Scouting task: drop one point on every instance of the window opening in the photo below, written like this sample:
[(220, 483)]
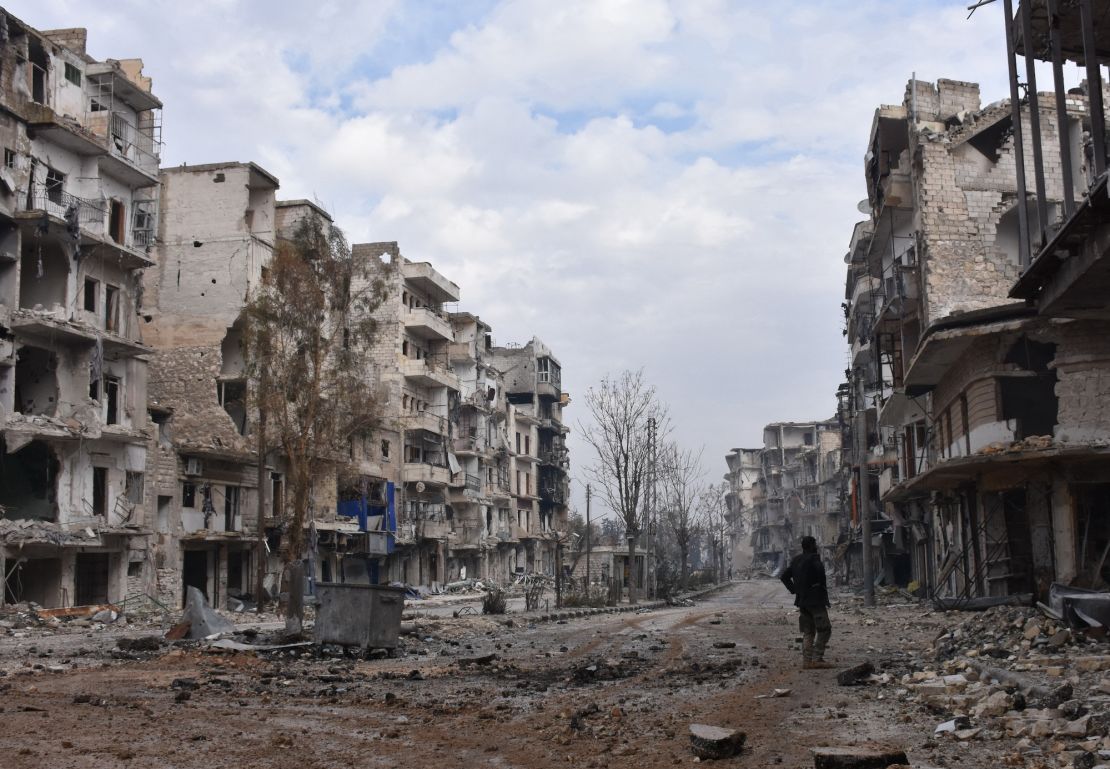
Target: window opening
[(111, 308), (100, 491), (73, 74), (92, 289), (55, 182), (231, 508), (111, 393), (134, 487), (116, 220)]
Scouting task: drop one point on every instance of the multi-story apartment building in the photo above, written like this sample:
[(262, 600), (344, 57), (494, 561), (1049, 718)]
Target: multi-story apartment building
[(78, 187), (741, 479), (796, 491), (412, 359), (537, 452), (982, 406), (215, 238)]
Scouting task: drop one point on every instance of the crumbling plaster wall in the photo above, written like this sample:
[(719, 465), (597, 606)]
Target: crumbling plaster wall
[(963, 197), (1083, 381), (184, 379)]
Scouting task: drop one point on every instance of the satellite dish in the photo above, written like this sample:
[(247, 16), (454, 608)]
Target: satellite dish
[(420, 486), (864, 206)]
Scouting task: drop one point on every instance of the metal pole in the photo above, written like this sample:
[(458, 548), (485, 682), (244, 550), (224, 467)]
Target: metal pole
[(587, 540), (260, 545), (1034, 119), (1024, 255), (1094, 86), (1061, 106), (865, 506)]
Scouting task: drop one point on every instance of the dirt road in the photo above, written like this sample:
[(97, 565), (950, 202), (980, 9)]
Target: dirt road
[(603, 691)]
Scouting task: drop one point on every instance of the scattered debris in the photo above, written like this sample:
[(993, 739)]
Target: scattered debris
[(857, 758), (854, 676)]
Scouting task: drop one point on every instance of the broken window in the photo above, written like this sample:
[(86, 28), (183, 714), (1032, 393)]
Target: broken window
[(92, 290), (27, 481), (189, 494), (55, 182), (134, 487), (96, 106), (162, 420), (1030, 400), (36, 55), (116, 220), (111, 398), (233, 397), (277, 495), (231, 508), (36, 381), (9, 157), (143, 223), (385, 450), (111, 308), (120, 132), (100, 491)]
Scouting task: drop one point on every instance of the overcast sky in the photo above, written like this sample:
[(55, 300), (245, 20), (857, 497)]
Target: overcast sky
[(640, 183)]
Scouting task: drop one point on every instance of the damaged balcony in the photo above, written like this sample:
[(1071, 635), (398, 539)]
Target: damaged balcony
[(430, 371), (426, 421), (428, 323), (50, 213)]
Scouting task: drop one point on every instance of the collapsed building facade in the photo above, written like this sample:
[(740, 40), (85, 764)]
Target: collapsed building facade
[(129, 459), (78, 192), (977, 429), (794, 489)]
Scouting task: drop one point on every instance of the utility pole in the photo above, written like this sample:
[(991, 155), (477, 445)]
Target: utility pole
[(651, 501), (865, 520), (260, 546), (587, 541)]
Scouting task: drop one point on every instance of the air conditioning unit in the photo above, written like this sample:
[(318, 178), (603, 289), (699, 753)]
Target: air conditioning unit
[(193, 466)]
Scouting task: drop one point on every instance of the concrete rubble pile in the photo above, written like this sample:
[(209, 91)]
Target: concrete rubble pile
[(1013, 672)]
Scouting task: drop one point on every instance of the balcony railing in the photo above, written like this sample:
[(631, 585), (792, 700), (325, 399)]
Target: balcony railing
[(57, 202)]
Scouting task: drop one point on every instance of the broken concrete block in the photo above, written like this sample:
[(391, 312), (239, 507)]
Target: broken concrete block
[(855, 675), (715, 742), (995, 705), (857, 758), (202, 618), (956, 724)]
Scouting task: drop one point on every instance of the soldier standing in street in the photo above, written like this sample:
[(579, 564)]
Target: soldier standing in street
[(805, 579)]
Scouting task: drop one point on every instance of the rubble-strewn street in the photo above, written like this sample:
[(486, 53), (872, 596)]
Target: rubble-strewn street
[(614, 689)]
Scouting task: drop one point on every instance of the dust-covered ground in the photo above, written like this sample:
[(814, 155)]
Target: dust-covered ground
[(609, 690)]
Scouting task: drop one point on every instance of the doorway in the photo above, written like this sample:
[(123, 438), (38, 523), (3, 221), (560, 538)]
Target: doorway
[(194, 572), (90, 579)]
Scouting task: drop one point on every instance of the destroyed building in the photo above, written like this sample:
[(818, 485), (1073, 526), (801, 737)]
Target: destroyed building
[(978, 430), (538, 456), (796, 490), (78, 192), (740, 480)]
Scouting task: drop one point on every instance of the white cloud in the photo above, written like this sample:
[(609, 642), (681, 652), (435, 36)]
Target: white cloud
[(639, 182)]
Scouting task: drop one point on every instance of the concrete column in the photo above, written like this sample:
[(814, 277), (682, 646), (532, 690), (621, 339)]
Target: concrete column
[(1063, 531)]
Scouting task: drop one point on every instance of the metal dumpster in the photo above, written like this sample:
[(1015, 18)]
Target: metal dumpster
[(366, 616)]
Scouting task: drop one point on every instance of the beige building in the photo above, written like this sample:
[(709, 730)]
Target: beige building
[(78, 192)]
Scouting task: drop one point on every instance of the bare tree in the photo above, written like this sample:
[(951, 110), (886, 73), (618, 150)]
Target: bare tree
[(680, 475), (309, 329), (620, 409), (714, 512)]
